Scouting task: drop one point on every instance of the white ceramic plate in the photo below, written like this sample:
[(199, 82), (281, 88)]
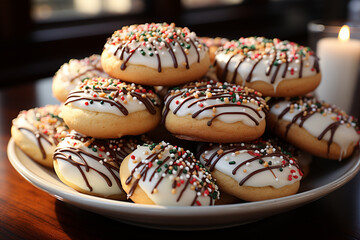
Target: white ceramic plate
[(325, 176)]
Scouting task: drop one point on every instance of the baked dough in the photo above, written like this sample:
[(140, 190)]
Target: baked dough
[(156, 54), (109, 108), (164, 174), (275, 68), (214, 112), (252, 171)]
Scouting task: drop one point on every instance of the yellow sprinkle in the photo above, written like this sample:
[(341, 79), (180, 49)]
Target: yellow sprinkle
[(226, 100), (214, 109), (173, 191), (244, 170), (220, 151), (102, 94), (266, 164), (155, 190)]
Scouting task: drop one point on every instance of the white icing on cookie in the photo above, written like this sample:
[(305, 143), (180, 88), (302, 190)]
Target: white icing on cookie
[(72, 72), (223, 101), (318, 119), (268, 60), (171, 176), (92, 164), (255, 164), (43, 126), (156, 45), (112, 96)]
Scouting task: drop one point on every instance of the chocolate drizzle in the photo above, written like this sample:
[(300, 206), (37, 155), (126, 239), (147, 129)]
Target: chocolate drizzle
[(279, 55), (113, 100), (258, 151), (129, 41), (39, 135), (108, 152), (168, 161), (204, 91), (44, 125), (306, 108)]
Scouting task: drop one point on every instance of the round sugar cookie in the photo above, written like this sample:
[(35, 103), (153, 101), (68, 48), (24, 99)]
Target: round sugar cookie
[(212, 111), (91, 166), (156, 54), (314, 126), (37, 131), (163, 174), (109, 108), (275, 68), (71, 73), (252, 171)]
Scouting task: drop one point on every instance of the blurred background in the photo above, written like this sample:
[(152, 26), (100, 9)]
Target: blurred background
[(38, 36)]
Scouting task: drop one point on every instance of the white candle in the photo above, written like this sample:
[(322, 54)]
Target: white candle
[(339, 62)]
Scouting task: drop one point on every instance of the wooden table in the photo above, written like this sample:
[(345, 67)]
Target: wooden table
[(29, 213)]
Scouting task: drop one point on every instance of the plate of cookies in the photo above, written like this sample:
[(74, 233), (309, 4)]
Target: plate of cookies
[(169, 130)]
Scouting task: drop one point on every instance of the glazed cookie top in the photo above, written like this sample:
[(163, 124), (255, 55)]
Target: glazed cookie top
[(113, 96), (320, 119), (97, 161), (156, 45), (171, 175), (269, 60), (226, 102), (255, 164), (76, 70), (42, 125)]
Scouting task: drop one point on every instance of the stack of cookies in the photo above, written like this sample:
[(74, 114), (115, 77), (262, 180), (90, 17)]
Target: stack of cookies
[(232, 110)]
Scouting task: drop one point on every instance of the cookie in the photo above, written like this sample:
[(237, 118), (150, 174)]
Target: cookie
[(213, 44), (163, 174), (212, 111), (109, 108), (275, 68), (252, 171), (156, 54), (91, 166), (314, 126), (71, 73), (37, 131)]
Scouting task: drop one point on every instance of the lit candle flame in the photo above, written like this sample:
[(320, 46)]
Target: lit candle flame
[(344, 33)]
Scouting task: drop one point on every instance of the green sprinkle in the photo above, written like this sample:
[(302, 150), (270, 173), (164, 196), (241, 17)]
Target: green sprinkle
[(232, 162)]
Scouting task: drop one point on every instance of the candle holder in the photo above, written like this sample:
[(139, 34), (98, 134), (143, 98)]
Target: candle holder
[(339, 63)]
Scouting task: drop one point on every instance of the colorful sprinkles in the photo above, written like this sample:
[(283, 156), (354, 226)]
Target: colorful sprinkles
[(225, 94), (114, 92), (151, 38), (274, 52), (168, 161), (267, 156)]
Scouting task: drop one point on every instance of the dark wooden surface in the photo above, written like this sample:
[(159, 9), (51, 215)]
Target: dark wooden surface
[(29, 213)]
